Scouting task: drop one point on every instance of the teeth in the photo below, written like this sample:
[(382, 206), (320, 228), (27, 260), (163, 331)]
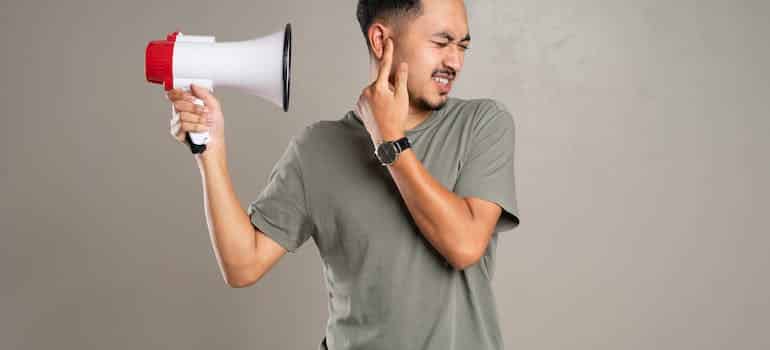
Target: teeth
[(441, 80)]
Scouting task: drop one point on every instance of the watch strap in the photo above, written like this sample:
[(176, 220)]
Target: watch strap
[(402, 144)]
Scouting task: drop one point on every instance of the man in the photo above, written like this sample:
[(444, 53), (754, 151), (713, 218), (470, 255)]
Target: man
[(404, 195)]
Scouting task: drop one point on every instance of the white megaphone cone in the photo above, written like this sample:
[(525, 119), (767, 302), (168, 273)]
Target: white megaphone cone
[(259, 67)]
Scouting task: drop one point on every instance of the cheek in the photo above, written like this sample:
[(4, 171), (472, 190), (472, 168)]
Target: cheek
[(418, 81), (422, 64)]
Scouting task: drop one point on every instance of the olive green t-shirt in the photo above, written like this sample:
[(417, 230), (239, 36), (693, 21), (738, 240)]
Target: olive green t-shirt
[(389, 288)]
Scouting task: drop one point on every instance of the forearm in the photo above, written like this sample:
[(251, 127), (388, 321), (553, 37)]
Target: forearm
[(231, 232), (443, 217)]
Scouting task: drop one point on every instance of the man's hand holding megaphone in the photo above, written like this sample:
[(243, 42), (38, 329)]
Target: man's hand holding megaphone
[(259, 67), (194, 118)]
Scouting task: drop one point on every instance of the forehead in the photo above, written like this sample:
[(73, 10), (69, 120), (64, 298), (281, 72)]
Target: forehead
[(441, 16)]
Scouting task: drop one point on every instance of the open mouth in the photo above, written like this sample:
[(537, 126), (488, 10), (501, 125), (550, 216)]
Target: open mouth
[(444, 84)]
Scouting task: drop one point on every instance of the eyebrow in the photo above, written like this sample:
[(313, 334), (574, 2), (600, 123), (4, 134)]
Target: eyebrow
[(451, 38)]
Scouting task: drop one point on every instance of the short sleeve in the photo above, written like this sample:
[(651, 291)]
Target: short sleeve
[(486, 170), (280, 210)]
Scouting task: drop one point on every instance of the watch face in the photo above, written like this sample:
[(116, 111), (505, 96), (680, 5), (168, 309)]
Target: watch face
[(386, 152)]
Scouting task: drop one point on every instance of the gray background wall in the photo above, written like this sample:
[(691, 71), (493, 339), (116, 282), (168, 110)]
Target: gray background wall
[(641, 171)]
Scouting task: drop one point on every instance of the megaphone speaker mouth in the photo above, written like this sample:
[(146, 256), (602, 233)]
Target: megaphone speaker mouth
[(286, 66)]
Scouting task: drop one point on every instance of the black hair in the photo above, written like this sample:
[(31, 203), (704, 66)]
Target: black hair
[(392, 11)]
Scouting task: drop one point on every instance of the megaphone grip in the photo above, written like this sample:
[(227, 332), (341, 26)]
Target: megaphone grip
[(196, 140), (195, 149), (199, 139)]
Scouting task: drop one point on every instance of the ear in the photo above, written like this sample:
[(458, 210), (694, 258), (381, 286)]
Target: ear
[(376, 34)]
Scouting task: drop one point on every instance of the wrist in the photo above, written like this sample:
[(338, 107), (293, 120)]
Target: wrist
[(211, 158), (390, 136)]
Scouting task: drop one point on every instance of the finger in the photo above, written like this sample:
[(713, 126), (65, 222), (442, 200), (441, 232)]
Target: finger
[(192, 118), (204, 94), (194, 127), (186, 106), (179, 95), (401, 78), (387, 58), (179, 134), (175, 94)]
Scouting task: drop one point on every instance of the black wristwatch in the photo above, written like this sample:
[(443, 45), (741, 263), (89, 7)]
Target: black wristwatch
[(387, 152)]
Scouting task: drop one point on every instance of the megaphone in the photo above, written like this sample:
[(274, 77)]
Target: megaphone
[(260, 67)]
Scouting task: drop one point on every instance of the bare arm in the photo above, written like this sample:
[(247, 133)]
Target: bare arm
[(458, 227), (244, 253)]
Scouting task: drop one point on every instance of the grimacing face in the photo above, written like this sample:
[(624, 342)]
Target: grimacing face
[(433, 45)]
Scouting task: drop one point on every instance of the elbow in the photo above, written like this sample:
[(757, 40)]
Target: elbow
[(243, 279), (241, 275), (464, 264), (468, 253), (235, 283), (464, 259), (240, 279)]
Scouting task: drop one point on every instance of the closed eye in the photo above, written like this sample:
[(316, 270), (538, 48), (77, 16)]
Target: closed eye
[(464, 47)]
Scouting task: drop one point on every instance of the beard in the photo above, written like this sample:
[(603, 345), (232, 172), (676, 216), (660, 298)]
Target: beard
[(424, 104)]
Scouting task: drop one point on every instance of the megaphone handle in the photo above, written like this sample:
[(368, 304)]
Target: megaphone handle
[(194, 148), (196, 140)]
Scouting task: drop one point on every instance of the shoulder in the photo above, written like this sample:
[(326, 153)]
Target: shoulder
[(486, 113), (321, 129), (322, 134)]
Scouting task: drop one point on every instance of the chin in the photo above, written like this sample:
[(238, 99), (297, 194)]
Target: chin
[(432, 104)]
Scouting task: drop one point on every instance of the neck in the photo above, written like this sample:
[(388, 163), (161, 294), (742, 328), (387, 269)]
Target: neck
[(415, 117)]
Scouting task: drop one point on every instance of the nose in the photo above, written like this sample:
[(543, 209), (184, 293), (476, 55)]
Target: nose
[(454, 59)]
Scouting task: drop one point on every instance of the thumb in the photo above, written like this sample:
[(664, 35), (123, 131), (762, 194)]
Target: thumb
[(401, 77), (204, 94)]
